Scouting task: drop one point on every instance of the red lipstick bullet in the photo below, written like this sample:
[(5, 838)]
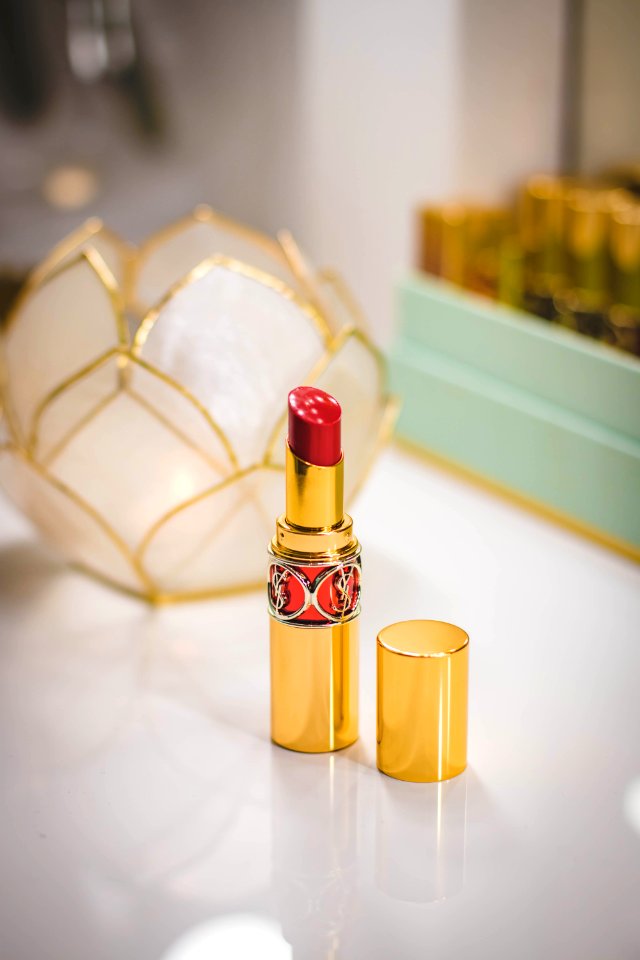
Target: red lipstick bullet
[(314, 426)]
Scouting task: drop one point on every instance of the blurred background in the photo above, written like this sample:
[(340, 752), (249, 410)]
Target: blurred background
[(472, 169), (336, 120)]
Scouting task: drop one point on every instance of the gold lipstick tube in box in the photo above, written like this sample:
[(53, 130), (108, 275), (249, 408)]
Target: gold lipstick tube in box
[(443, 242), (625, 254), (542, 215), (314, 605), (623, 318), (582, 304)]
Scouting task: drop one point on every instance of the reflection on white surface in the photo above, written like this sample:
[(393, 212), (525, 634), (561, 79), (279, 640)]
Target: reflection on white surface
[(421, 838), (141, 797), (314, 803), (241, 936), (631, 804)]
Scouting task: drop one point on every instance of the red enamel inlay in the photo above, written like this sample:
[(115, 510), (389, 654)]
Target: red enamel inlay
[(314, 426), (339, 593), (315, 595)]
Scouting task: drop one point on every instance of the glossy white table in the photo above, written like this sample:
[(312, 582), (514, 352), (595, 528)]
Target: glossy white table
[(146, 815)]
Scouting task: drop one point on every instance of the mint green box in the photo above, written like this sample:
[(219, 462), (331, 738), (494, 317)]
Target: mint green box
[(547, 413)]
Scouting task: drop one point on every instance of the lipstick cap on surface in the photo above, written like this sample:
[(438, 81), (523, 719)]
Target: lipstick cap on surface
[(422, 687)]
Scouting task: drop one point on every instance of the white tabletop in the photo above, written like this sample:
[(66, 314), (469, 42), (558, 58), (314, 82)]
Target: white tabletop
[(146, 815)]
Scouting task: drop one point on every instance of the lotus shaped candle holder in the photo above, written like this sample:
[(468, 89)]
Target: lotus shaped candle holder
[(144, 398)]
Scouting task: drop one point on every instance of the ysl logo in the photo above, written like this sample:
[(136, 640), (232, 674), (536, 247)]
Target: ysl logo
[(314, 595), (345, 586), (280, 595)]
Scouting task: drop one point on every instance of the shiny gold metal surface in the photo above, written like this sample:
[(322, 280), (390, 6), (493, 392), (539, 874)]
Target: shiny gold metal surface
[(488, 227), (314, 494), (623, 323), (625, 254), (454, 251), (459, 242), (587, 235), (511, 276), (542, 215), (422, 684), (443, 241), (314, 686), (430, 239), (296, 543)]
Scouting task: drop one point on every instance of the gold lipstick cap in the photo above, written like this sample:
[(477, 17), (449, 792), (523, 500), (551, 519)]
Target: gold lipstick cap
[(422, 687)]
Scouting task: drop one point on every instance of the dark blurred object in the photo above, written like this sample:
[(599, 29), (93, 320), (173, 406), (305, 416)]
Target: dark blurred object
[(623, 328), (10, 283), (103, 44), (24, 81), (626, 176), (583, 311), (81, 76), (572, 84)]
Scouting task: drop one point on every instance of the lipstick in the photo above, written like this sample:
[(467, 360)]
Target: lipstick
[(314, 587), (314, 426)]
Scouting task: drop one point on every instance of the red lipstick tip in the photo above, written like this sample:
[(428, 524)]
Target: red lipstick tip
[(314, 426)]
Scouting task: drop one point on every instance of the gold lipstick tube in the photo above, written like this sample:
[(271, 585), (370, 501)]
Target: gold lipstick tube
[(314, 605)]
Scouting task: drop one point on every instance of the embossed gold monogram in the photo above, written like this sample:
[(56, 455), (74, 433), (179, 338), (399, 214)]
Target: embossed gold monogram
[(314, 597)]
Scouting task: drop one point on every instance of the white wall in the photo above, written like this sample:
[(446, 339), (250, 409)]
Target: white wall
[(397, 102), (508, 110), (372, 132)]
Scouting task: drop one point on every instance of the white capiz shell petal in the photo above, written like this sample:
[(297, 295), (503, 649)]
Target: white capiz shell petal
[(252, 343), (64, 522), (132, 467), (66, 413), (174, 253), (62, 327), (219, 541)]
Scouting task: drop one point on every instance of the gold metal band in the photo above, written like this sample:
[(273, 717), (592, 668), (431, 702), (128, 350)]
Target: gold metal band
[(318, 546), (315, 494)]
